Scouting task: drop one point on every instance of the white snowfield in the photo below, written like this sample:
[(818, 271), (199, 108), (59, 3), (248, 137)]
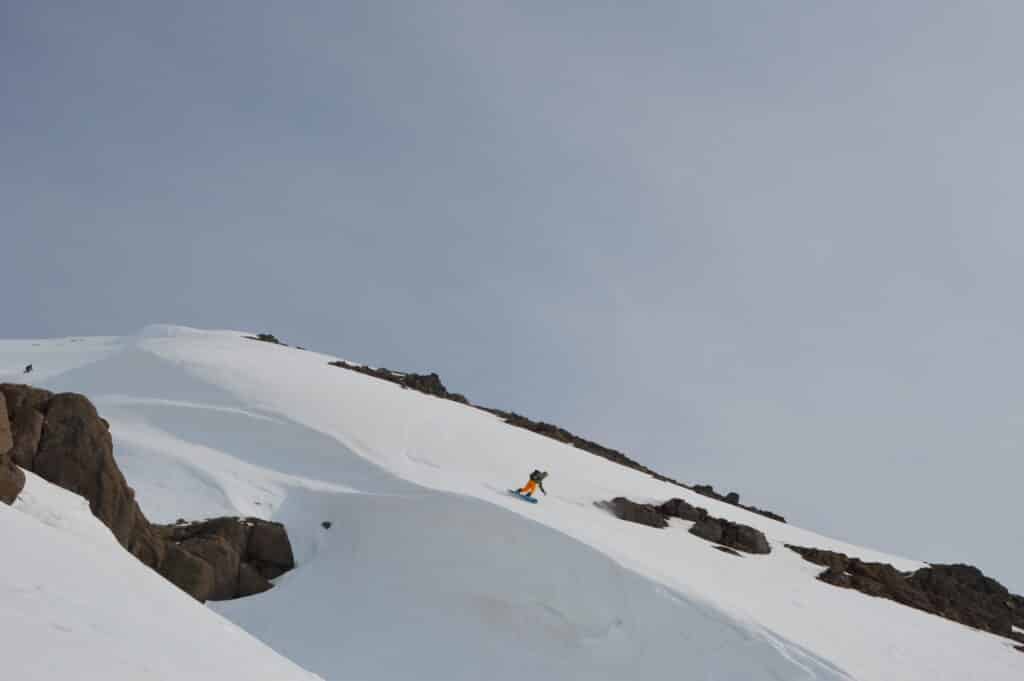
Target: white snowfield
[(430, 570), (75, 605)]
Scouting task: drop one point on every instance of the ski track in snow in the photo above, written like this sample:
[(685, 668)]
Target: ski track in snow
[(431, 571)]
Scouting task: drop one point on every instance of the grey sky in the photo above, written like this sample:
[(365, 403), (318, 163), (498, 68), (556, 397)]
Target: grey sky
[(774, 246)]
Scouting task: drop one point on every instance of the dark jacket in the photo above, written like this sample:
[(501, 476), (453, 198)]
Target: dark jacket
[(538, 477)]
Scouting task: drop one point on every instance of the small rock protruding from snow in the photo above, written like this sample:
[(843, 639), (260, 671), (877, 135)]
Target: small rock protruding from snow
[(716, 530)]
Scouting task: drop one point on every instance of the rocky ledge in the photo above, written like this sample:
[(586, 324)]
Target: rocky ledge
[(961, 593), (225, 558), (429, 384), (721, 532), (62, 439)]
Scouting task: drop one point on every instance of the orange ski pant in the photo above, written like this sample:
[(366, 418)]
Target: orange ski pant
[(528, 488)]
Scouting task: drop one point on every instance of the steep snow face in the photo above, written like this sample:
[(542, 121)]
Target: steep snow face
[(430, 570), (75, 605)]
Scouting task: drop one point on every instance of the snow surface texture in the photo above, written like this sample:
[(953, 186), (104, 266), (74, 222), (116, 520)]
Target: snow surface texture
[(430, 570), (75, 605)]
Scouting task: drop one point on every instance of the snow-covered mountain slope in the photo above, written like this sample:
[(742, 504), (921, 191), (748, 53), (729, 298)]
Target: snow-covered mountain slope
[(429, 570), (75, 605)]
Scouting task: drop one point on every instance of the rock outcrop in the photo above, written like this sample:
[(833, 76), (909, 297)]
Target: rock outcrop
[(62, 439), (266, 338), (244, 554), (961, 593), (734, 535), (723, 533), (12, 479), (733, 498), (429, 384), (76, 452)]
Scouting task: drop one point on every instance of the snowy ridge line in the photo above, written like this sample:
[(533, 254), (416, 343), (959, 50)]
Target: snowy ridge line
[(430, 573), (431, 384)]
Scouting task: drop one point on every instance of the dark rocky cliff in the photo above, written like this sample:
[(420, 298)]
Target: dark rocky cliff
[(62, 439)]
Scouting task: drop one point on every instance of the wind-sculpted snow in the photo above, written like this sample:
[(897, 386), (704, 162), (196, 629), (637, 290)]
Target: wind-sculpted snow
[(429, 570), (437, 586), (75, 605)]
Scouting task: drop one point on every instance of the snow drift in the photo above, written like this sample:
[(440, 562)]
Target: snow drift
[(75, 605)]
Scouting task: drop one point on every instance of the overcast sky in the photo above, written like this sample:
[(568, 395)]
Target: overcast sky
[(773, 246)]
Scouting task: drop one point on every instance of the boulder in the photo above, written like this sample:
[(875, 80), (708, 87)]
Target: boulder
[(733, 535), (633, 512), (245, 553)]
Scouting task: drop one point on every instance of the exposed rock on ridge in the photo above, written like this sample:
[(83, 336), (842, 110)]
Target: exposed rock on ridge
[(734, 499), (431, 384), (961, 593)]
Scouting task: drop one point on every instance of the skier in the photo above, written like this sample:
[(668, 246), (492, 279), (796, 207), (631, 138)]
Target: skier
[(536, 479)]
